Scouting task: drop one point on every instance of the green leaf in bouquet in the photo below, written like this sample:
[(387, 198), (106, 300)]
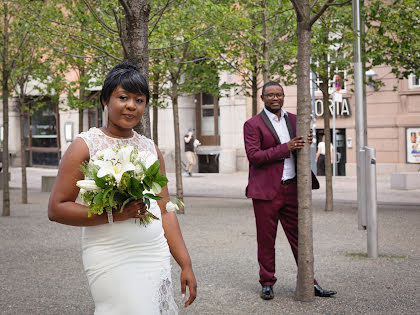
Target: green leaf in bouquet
[(151, 196), (153, 170), (107, 190), (112, 202), (100, 182), (134, 188), (156, 188), (120, 197), (147, 202), (147, 182), (125, 203), (98, 198), (162, 180)]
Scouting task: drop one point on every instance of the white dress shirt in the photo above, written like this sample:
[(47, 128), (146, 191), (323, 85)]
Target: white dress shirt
[(283, 134)]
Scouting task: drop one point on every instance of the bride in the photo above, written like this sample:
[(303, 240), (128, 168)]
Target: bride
[(127, 265)]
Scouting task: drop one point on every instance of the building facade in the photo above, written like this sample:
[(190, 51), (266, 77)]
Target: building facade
[(393, 127)]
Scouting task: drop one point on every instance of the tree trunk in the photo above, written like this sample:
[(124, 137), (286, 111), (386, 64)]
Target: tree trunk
[(80, 120), (5, 97), (305, 278), (178, 168), (22, 147), (327, 132), (81, 98), (254, 87), (155, 102), (265, 44), (135, 38)]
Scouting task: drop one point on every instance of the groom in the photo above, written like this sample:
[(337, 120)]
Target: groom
[(271, 146)]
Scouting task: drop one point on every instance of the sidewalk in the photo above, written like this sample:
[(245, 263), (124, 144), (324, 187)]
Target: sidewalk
[(233, 186), (42, 271)]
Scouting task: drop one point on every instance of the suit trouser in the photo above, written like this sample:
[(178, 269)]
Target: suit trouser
[(283, 207)]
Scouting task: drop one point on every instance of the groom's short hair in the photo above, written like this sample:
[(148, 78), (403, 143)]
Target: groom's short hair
[(270, 83), (127, 75)]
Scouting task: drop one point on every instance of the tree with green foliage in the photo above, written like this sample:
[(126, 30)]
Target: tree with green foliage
[(331, 49), (15, 49), (393, 36), (307, 14), (181, 48), (257, 42)]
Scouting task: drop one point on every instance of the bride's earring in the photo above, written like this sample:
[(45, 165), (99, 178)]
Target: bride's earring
[(105, 117)]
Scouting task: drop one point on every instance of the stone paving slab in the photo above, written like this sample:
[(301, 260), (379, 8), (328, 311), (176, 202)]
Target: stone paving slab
[(233, 186), (41, 269)]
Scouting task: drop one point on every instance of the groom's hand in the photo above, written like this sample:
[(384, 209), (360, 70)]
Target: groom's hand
[(188, 279)]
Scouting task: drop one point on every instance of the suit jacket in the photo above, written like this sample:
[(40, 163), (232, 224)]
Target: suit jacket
[(266, 156)]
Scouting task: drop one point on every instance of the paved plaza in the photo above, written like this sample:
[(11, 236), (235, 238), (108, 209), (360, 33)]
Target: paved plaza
[(41, 269)]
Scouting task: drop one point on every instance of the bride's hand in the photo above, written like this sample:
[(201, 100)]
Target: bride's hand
[(135, 209), (188, 279)]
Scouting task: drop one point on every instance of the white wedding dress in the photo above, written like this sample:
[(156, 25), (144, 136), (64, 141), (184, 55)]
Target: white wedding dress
[(127, 264)]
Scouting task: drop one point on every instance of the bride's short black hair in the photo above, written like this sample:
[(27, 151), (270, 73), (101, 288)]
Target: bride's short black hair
[(127, 75)]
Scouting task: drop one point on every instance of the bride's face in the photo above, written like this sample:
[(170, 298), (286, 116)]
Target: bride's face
[(125, 109)]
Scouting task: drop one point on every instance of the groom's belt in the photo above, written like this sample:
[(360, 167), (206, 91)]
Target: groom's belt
[(289, 181)]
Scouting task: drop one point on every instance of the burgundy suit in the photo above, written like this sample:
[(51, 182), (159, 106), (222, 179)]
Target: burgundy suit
[(272, 200)]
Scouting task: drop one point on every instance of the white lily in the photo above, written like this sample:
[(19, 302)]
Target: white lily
[(147, 158), (87, 185), (115, 163)]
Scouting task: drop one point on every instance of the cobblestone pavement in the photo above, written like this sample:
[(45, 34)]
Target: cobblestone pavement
[(41, 269)]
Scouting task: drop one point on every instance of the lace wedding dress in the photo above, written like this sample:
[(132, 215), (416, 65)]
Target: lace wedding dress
[(127, 264)]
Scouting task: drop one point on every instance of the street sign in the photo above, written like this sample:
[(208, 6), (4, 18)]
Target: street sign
[(337, 83), (337, 98)]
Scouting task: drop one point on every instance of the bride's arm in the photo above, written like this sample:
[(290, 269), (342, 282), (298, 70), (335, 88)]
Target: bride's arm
[(62, 207), (176, 242)]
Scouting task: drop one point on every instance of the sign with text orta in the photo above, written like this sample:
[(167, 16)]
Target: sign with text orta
[(341, 108)]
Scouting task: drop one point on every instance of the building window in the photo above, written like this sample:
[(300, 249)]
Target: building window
[(41, 132), (208, 119), (413, 82)]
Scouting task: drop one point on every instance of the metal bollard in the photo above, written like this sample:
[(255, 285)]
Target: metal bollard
[(371, 206), (361, 191)]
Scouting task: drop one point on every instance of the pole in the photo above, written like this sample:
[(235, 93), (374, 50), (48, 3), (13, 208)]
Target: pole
[(334, 133), (361, 139), (372, 227)]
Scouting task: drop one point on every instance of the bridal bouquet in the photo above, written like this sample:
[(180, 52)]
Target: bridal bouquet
[(114, 177)]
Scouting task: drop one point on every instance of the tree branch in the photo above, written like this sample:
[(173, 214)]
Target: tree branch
[(160, 16), (161, 10), (325, 7), (126, 7), (98, 18), (94, 46), (120, 34), (77, 56), (19, 50), (298, 9), (313, 4), (185, 42)]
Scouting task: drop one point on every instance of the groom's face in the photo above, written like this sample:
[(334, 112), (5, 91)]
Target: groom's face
[(273, 98)]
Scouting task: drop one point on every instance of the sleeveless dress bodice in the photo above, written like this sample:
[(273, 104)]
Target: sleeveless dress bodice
[(127, 264)]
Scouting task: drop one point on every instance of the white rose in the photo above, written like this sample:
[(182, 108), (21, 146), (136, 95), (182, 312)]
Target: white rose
[(170, 207)]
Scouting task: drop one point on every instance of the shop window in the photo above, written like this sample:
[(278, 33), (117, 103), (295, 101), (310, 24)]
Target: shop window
[(41, 132)]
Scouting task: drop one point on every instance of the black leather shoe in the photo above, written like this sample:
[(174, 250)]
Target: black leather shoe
[(267, 292), (323, 293)]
